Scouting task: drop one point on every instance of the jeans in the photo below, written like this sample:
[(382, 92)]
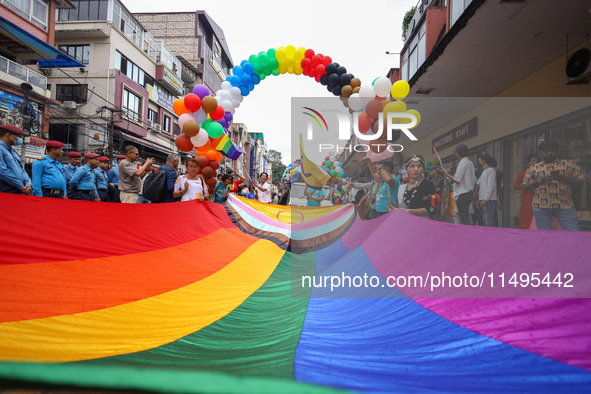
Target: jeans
[(143, 199), (567, 218), (490, 213), (463, 204)]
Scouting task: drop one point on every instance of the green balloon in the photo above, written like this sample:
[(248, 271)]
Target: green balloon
[(253, 59), (275, 72), (263, 59), (374, 81), (215, 130), (263, 76), (268, 70), (258, 69), (429, 164), (332, 172), (271, 53), (339, 175), (206, 124), (274, 63), (328, 163)]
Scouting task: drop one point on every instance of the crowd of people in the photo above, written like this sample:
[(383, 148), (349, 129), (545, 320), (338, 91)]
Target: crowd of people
[(472, 195)]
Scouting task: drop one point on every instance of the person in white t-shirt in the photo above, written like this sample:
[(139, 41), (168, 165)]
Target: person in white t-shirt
[(190, 186), (264, 189)]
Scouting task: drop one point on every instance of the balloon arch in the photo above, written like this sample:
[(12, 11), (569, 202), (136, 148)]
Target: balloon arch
[(203, 117)]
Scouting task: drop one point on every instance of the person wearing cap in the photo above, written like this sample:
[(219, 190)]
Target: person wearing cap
[(13, 177), (464, 181), (48, 173), (70, 169), (113, 179), (102, 183), (84, 180), (551, 182)]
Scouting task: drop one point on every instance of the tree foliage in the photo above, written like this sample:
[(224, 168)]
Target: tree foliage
[(406, 21), (277, 166)]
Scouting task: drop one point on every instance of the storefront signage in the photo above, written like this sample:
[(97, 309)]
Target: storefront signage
[(164, 75), (159, 99), (35, 148), (457, 135)]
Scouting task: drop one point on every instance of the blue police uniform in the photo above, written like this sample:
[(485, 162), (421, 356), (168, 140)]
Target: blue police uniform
[(113, 177), (102, 184), (84, 184), (13, 176), (48, 178), (69, 171)]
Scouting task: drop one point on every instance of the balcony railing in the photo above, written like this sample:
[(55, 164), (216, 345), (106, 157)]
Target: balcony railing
[(24, 73)]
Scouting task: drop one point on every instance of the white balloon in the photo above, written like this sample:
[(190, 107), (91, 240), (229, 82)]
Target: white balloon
[(200, 139), (241, 98), (227, 86), (366, 93), (332, 159), (382, 86), (235, 103), (219, 93), (338, 169), (200, 116), (232, 111), (355, 102), (227, 105), (235, 92), (225, 95)]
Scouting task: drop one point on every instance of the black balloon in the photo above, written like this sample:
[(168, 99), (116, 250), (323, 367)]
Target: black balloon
[(336, 65), (324, 79), (351, 76), (329, 87), (341, 70), (345, 79), (337, 90), (333, 79), (395, 136), (331, 68)]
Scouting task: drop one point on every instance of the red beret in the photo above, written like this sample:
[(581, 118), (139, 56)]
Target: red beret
[(54, 144), (103, 158), (74, 154), (91, 155), (12, 129), (120, 156)]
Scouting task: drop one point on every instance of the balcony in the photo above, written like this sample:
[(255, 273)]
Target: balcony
[(22, 73)]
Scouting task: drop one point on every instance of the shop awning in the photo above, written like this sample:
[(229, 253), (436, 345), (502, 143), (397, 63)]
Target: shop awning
[(49, 56), (146, 143)]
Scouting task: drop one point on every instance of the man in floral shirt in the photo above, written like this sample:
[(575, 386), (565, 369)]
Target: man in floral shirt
[(551, 181)]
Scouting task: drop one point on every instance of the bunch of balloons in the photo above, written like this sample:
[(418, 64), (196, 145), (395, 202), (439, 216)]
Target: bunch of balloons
[(334, 169)]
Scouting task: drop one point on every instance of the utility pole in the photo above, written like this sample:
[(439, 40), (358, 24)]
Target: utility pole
[(26, 88)]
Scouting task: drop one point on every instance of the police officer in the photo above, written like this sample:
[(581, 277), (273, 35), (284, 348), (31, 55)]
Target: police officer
[(114, 181), (102, 184), (13, 177), (70, 169), (84, 181), (48, 173)]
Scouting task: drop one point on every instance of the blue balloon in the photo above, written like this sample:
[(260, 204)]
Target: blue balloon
[(234, 80), (242, 63), (248, 68), (238, 71), (256, 79), (251, 86), (244, 91), (246, 79), (397, 172)]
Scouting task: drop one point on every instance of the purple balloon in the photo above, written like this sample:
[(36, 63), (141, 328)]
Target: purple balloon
[(228, 116), (223, 122), (201, 91)]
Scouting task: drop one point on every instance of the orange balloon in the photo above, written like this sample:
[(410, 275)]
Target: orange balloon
[(218, 156), (209, 104), (199, 153), (179, 107), (356, 89), (212, 154), (384, 103), (191, 128), (355, 83), (346, 91), (183, 142), (204, 148)]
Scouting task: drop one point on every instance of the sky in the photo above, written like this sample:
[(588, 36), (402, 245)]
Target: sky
[(356, 34)]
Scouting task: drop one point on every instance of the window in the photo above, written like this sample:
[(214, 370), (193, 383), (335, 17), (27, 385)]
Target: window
[(153, 115), (132, 105), (35, 11), (86, 10), (78, 52), (166, 124), (76, 93), (127, 24), (128, 68)]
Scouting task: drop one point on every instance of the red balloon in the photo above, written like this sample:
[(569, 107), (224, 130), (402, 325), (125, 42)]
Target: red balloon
[(218, 114), (316, 60), (312, 72), (211, 182), (306, 63), (203, 161), (214, 164), (364, 123), (305, 71), (309, 53), (183, 142), (192, 102), (317, 78), (207, 172), (323, 163), (326, 60), (373, 108), (320, 69)]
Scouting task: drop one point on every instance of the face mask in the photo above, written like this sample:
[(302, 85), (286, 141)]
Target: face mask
[(18, 142)]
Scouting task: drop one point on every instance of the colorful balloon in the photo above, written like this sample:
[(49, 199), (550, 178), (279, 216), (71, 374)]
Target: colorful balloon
[(191, 128), (400, 90), (179, 108), (183, 143), (209, 104), (192, 102), (201, 91)]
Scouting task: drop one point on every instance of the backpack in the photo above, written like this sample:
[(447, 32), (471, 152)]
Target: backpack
[(155, 189)]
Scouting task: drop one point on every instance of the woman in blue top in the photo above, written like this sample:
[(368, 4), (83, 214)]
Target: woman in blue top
[(223, 189), (250, 194), (386, 190), (315, 196)]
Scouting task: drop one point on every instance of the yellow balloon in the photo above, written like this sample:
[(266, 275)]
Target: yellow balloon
[(395, 106), (435, 160), (415, 113), (400, 90), (291, 70), (292, 172), (282, 68), (299, 56), (297, 70), (290, 61), (280, 55), (290, 50)]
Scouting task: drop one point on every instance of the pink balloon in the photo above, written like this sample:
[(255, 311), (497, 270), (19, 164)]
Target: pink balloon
[(183, 118)]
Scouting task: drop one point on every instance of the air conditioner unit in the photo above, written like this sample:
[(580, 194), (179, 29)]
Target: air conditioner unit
[(69, 104), (157, 127), (578, 66), (150, 124)]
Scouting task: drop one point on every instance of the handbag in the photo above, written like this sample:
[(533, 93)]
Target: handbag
[(363, 206)]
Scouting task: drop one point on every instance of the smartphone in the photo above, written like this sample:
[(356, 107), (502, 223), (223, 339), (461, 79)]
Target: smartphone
[(555, 172)]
